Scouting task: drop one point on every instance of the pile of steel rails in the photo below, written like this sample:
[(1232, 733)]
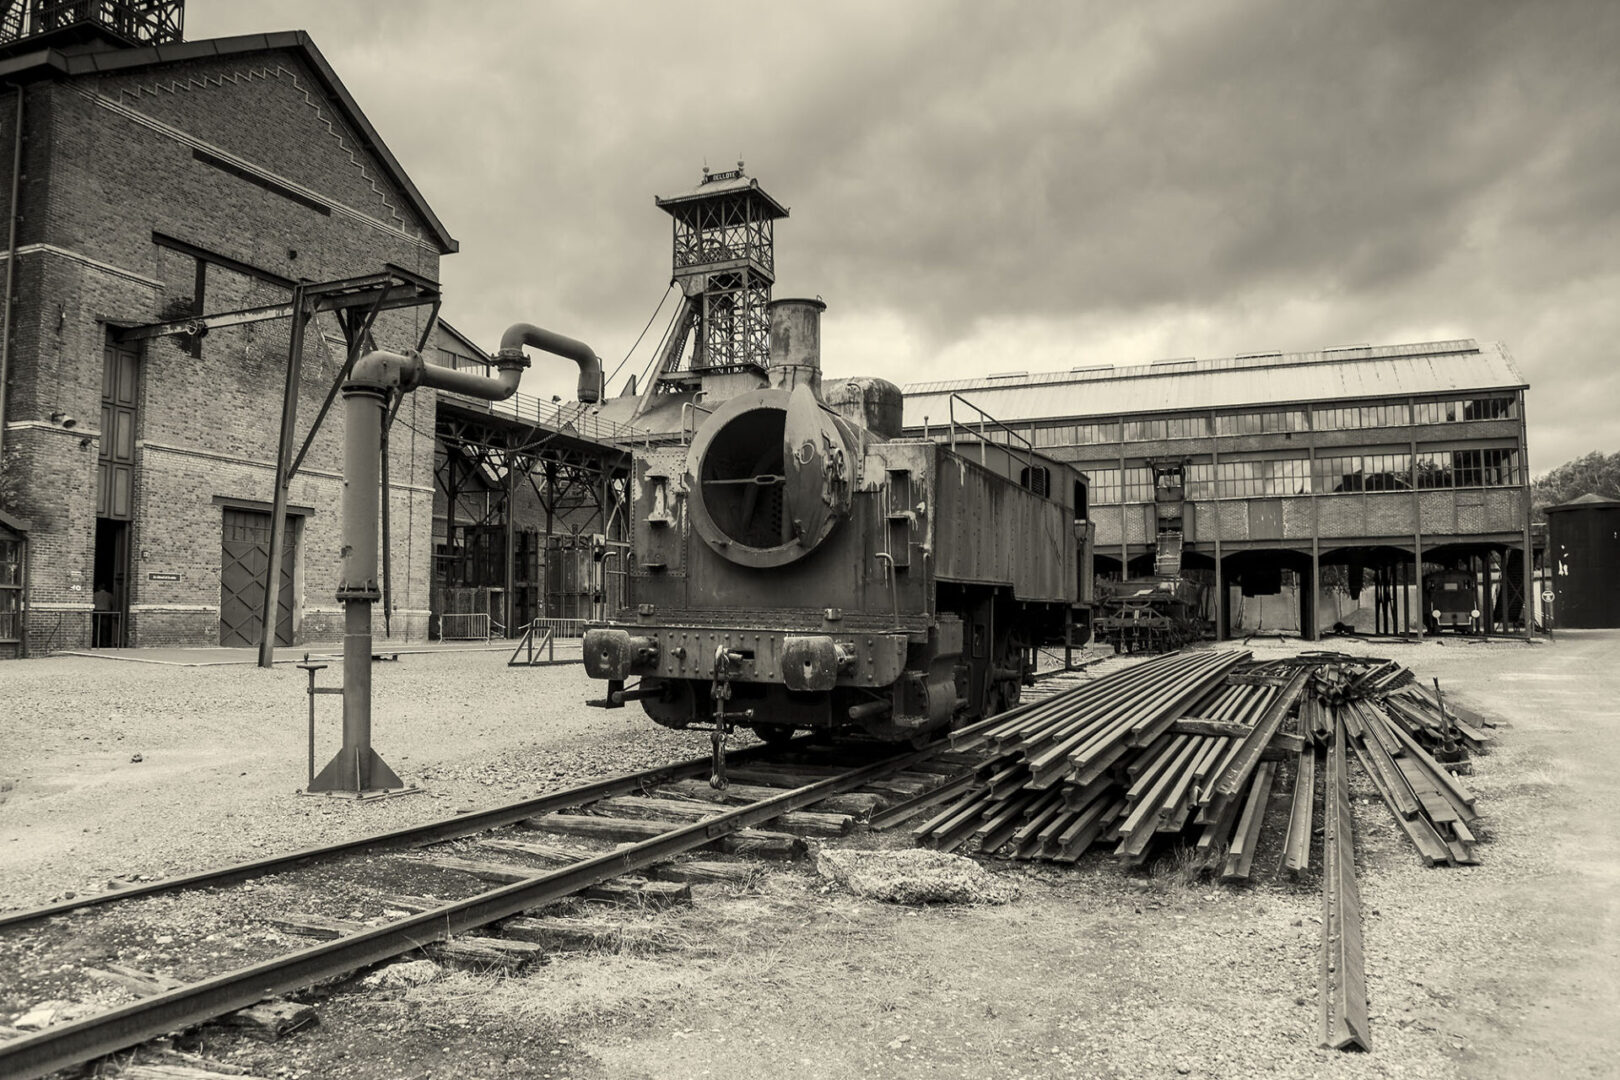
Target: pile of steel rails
[(1188, 748)]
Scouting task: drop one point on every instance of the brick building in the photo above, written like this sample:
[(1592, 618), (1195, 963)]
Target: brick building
[(158, 182), (1382, 461)]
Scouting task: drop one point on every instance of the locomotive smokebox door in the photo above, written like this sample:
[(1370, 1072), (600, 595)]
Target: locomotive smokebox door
[(816, 464)]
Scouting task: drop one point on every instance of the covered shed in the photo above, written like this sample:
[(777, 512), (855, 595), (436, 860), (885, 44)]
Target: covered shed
[(1583, 550)]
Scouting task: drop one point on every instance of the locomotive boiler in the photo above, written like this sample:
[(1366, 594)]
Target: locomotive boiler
[(794, 563)]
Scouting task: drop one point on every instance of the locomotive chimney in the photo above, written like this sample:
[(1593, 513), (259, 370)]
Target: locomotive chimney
[(796, 343)]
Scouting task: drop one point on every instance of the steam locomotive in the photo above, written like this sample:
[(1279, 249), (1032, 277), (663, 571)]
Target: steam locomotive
[(796, 564)]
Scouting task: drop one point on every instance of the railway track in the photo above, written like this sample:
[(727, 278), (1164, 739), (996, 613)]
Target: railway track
[(653, 816)]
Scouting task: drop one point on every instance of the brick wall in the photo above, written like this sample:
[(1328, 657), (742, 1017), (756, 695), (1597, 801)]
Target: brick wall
[(110, 161)]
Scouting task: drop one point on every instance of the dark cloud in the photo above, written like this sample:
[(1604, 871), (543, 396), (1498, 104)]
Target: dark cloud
[(1199, 178)]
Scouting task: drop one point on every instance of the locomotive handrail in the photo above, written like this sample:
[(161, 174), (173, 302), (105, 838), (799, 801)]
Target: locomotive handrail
[(1029, 447), (694, 406)]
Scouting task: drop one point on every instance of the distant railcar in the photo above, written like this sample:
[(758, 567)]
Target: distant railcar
[(1450, 602)]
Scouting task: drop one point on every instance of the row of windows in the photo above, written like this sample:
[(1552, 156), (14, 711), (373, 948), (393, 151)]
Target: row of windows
[(1276, 420), (1106, 485), (1174, 427), (1076, 434), (1324, 476), (1360, 416), (1447, 412), (1262, 423)]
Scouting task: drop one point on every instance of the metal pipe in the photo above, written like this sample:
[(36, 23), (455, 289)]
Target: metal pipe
[(11, 270), (373, 380), (590, 365), (357, 767)]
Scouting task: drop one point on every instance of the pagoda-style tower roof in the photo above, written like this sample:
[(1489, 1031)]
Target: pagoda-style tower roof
[(731, 182), (724, 260)]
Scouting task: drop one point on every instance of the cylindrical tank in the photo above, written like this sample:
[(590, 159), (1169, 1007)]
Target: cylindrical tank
[(873, 403), (1583, 560), (796, 343)]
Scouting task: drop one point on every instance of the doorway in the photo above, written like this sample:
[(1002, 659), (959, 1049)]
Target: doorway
[(110, 582)]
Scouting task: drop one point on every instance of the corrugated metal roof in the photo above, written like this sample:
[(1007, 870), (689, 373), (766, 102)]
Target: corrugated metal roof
[(1270, 379)]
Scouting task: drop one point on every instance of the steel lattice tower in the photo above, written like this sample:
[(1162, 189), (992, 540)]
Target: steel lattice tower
[(724, 261), (139, 22)]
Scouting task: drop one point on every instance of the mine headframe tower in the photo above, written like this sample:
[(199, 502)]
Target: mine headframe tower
[(138, 22), (725, 263)]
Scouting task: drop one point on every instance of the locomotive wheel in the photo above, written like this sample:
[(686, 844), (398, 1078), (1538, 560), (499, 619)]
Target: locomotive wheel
[(775, 734)]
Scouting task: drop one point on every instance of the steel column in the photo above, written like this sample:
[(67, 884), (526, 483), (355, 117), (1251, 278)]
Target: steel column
[(1417, 584), (509, 605), (283, 481), (1316, 591), (1529, 548)]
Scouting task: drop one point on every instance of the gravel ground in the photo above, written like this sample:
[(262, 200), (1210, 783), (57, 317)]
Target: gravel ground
[(223, 750), (1502, 970)]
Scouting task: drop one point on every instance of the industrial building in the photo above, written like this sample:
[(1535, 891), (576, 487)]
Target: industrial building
[(1383, 461), (202, 236)]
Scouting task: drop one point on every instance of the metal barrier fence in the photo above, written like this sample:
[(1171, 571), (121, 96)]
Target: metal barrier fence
[(562, 628), (474, 626)]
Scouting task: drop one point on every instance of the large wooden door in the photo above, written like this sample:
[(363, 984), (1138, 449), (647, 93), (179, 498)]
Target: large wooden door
[(244, 553), (115, 464)]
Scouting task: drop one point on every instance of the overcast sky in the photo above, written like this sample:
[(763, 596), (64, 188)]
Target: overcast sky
[(979, 187)]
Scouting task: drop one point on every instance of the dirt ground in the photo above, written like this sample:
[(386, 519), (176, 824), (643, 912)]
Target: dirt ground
[(1506, 969)]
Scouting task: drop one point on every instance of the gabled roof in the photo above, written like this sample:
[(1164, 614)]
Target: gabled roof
[(1253, 379), (466, 342), (50, 60)]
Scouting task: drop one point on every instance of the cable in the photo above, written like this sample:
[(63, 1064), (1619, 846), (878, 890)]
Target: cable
[(644, 329), (663, 339)]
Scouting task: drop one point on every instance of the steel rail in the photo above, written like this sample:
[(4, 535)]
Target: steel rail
[(411, 836), (118, 1029), (1343, 976)]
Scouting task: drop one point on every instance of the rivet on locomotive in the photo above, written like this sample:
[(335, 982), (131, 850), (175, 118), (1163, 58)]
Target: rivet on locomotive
[(796, 564)]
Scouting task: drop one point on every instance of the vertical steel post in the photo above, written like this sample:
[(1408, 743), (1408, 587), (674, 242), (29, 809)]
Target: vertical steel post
[(1316, 590), (509, 607), (1417, 581), (11, 269), (1529, 607), (271, 607), (387, 535)]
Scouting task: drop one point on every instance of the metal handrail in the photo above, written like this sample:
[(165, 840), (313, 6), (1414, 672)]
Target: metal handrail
[(556, 414), (694, 406), (984, 441)]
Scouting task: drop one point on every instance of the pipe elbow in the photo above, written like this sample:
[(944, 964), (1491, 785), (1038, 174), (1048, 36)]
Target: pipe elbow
[(386, 370), (520, 334)]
